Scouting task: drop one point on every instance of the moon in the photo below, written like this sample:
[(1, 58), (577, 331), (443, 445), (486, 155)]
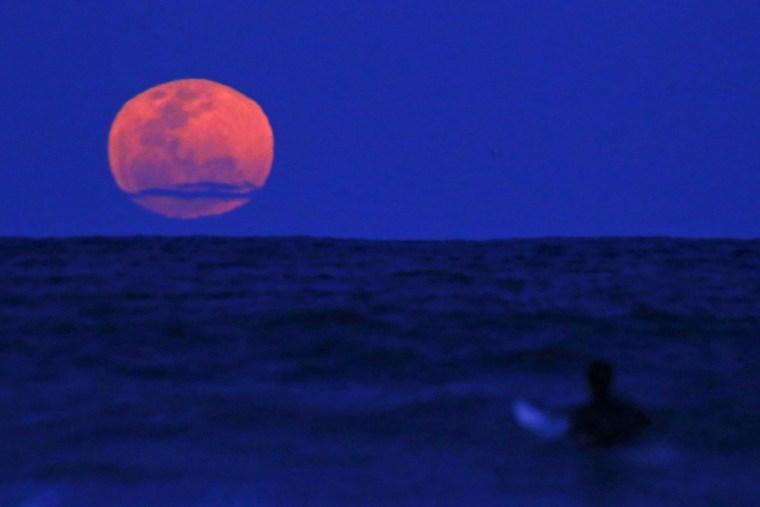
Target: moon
[(190, 148)]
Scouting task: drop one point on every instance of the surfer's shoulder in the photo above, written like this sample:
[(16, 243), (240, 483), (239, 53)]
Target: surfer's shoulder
[(609, 423)]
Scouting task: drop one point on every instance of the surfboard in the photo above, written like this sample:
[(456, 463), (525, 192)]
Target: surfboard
[(539, 421)]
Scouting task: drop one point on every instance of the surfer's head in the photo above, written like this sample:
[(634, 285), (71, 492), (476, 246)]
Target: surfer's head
[(599, 375)]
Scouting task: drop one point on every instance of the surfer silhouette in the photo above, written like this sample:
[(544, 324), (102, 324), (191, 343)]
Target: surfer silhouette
[(606, 420)]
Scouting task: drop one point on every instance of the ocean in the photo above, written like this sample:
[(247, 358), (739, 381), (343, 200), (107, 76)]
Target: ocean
[(273, 372)]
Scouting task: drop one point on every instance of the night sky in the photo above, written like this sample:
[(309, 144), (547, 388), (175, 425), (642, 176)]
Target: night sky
[(403, 119)]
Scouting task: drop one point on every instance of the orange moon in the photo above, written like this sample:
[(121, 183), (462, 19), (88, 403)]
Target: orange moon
[(190, 148)]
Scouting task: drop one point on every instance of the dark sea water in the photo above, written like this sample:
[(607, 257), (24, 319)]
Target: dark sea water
[(211, 372)]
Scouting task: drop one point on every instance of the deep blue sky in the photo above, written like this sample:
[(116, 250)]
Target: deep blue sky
[(404, 119)]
